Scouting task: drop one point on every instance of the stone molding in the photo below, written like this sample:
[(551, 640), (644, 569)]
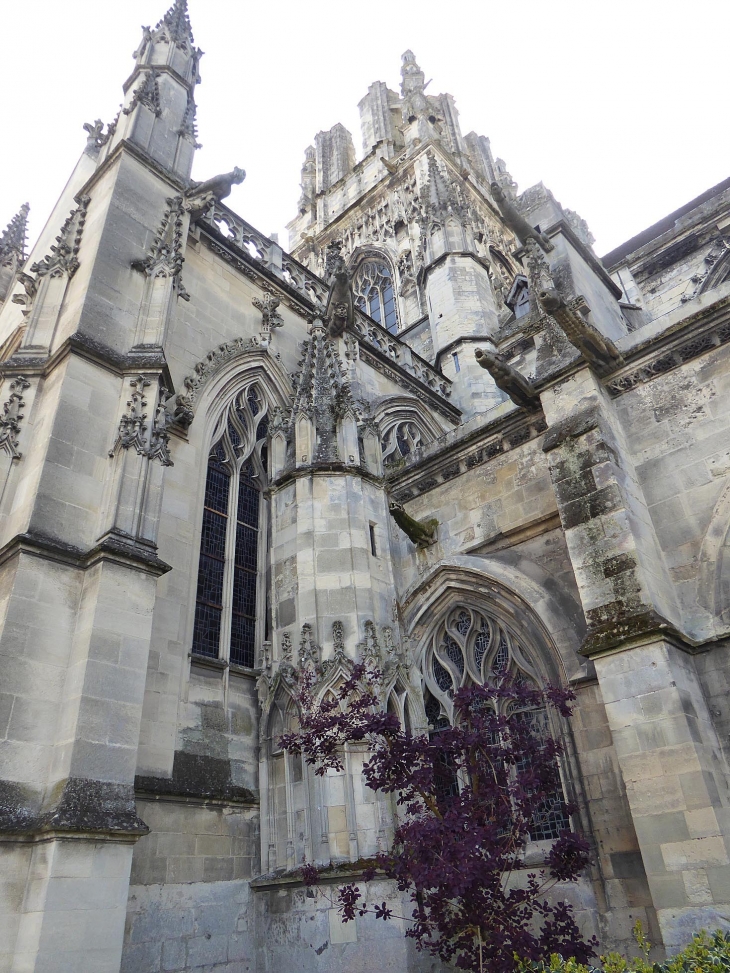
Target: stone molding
[(114, 549), (76, 805), (457, 458)]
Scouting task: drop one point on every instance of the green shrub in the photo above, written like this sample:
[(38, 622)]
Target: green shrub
[(707, 953)]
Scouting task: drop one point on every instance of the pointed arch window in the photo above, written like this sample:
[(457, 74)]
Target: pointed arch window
[(230, 606), (374, 293), (471, 647)]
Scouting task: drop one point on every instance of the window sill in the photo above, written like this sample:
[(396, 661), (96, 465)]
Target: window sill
[(244, 670), (207, 662)]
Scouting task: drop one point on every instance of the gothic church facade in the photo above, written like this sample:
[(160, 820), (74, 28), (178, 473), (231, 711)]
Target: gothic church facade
[(440, 433)]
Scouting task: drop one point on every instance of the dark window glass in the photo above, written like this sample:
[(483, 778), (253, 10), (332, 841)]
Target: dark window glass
[(245, 571), (209, 596)]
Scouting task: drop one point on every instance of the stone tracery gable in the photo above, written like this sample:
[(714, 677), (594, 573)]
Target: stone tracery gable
[(204, 371)]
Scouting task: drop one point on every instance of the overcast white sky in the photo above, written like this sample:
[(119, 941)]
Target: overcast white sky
[(619, 107)]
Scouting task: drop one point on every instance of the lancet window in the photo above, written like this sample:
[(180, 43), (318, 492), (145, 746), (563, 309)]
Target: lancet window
[(471, 647), (230, 607), (374, 294)]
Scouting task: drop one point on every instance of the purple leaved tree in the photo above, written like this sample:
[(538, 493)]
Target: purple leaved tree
[(468, 797)]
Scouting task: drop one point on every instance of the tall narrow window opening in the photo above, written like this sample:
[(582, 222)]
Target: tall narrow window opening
[(374, 294), (230, 597)]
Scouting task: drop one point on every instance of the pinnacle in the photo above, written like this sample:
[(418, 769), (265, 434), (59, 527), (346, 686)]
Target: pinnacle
[(13, 237), (177, 22)]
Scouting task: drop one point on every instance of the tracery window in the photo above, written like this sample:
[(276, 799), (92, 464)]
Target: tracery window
[(400, 441), (374, 294), (230, 599), (472, 647)]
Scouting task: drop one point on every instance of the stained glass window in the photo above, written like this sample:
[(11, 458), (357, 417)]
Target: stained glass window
[(373, 286), (227, 595), (479, 648)]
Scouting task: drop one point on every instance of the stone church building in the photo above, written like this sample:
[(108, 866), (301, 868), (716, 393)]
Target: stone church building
[(440, 432)]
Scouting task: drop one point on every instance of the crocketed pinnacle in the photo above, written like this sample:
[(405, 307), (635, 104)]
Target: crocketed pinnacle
[(321, 392), (441, 197), (177, 22), (12, 240)]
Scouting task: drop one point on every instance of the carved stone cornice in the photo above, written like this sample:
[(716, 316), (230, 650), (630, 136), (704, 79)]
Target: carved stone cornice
[(703, 331), (91, 350), (74, 806)]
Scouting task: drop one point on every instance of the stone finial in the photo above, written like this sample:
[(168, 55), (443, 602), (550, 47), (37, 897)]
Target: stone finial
[(177, 22), (13, 238), (508, 379)]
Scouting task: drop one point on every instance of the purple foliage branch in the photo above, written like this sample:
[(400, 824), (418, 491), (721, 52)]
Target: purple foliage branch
[(467, 797)]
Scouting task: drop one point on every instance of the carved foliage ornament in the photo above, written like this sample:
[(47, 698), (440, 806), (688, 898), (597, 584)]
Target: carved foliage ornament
[(134, 431), (11, 416), (185, 402), (165, 256), (63, 258)]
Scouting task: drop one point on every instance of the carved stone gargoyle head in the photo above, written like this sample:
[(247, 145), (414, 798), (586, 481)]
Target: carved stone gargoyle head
[(423, 533)]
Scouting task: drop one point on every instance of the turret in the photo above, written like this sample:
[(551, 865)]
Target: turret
[(12, 250), (158, 113)]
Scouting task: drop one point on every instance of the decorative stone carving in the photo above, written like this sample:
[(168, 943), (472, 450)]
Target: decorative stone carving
[(508, 379), (63, 258), (159, 447), (189, 126), (165, 256), (12, 240), (423, 533), (338, 641), (516, 221), (310, 654), (134, 430), (286, 648), (340, 310), (201, 196), (146, 93), (271, 318), (11, 417), (93, 135), (370, 647), (719, 249), (184, 414), (132, 425)]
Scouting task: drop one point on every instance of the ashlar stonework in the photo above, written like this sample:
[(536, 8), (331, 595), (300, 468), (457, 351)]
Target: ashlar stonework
[(440, 433)]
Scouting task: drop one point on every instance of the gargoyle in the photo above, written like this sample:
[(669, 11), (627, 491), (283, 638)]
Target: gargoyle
[(517, 222), (200, 195), (508, 379), (421, 532), (598, 350), (340, 311)]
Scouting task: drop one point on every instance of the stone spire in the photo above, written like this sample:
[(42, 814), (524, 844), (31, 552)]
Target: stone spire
[(159, 109), (442, 200), (177, 24), (412, 86), (12, 249), (12, 241)]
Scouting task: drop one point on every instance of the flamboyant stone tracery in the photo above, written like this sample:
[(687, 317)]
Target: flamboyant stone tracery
[(441, 437)]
